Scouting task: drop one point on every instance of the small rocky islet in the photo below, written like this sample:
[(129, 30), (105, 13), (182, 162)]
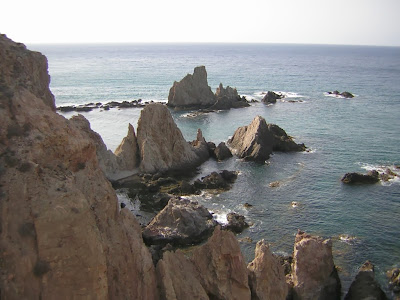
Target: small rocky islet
[(63, 232)]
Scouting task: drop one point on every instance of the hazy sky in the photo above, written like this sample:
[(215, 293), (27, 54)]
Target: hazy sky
[(356, 22)]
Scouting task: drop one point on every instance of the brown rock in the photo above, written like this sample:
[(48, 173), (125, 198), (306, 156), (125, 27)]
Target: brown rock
[(200, 146), (222, 267), (192, 91), (266, 275), (62, 233), (222, 152), (227, 98), (364, 285), (127, 152), (178, 278), (161, 144), (314, 275)]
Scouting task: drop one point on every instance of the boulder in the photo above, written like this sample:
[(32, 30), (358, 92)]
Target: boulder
[(178, 278), (355, 178), (266, 275), (192, 92), (236, 223), (181, 222), (314, 275), (215, 180), (162, 147), (364, 285), (227, 98), (222, 152), (127, 152), (282, 142), (271, 97), (63, 233), (253, 142), (222, 267), (394, 281)]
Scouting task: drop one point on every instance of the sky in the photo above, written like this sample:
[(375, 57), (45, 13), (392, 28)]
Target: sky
[(349, 22)]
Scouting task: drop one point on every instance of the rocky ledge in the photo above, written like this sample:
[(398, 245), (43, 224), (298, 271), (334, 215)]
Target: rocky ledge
[(106, 106)]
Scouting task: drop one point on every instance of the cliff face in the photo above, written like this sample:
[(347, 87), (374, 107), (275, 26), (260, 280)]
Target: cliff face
[(62, 234)]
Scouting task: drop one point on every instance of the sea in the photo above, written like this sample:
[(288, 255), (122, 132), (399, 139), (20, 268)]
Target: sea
[(342, 135)]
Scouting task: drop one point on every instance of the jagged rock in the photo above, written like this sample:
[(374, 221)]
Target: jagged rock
[(369, 178), (179, 278), (216, 180), (314, 275), (271, 97), (222, 267), (222, 152), (181, 222), (62, 221), (161, 144), (253, 142), (127, 152), (394, 281), (192, 91), (227, 98), (266, 275), (364, 285), (282, 142), (236, 223), (200, 146)]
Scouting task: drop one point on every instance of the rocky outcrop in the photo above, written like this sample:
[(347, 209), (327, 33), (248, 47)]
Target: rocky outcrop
[(271, 97), (192, 92), (236, 223), (364, 285), (253, 142), (127, 152), (394, 281), (227, 98), (60, 220), (354, 178), (257, 140), (266, 275), (343, 94), (161, 144), (222, 267), (222, 152), (314, 275), (215, 180), (200, 146), (181, 222)]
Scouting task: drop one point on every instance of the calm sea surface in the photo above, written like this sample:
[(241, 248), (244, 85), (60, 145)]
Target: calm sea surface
[(344, 135)]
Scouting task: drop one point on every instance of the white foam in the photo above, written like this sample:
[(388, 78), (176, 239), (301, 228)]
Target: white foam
[(382, 169)]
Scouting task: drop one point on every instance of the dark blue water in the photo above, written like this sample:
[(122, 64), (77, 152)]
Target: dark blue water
[(344, 135)]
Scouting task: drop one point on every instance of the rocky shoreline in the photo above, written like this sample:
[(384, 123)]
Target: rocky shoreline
[(63, 233)]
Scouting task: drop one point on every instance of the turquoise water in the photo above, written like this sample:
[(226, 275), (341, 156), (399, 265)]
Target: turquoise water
[(344, 135)]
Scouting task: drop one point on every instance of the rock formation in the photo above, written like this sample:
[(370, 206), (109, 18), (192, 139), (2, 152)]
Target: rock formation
[(394, 281), (236, 223), (266, 275), (127, 152), (161, 144), (271, 97), (181, 222), (257, 140), (222, 152), (60, 219), (192, 91), (343, 94), (200, 146), (364, 285), (222, 267), (314, 275), (253, 142), (369, 178), (227, 98)]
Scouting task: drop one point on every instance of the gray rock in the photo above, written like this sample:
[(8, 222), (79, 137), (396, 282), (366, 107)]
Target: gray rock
[(354, 178), (271, 97), (222, 152)]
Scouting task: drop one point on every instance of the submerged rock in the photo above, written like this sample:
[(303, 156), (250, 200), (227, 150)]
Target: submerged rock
[(266, 275), (369, 178), (364, 285), (192, 92), (181, 222), (314, 275)]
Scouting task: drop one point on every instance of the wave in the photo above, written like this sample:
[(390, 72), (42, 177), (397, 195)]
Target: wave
[(388, 173)]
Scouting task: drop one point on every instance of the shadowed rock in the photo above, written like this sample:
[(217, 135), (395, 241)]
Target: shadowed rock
[(354, 178)]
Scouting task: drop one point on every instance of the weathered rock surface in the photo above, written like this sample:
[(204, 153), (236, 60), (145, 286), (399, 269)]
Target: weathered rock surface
[(282, 142), (221, 180), (192, 91), (200, 146), (394, 281), (127, 152), (60, 219), (271, 97), (236, 222), (364, 285), (181, 222), (354, 178), (253, 142), (222, 152), (266, 275), (222, 267), (314, 275), (179, 278), (161, 144), (227, 98)]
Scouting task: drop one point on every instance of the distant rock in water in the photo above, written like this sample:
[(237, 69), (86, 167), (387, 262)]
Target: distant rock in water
[(258, 140), (343, 94), (365, 286), (227, 98), (192, 92), (369, 178), (271, 97)]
